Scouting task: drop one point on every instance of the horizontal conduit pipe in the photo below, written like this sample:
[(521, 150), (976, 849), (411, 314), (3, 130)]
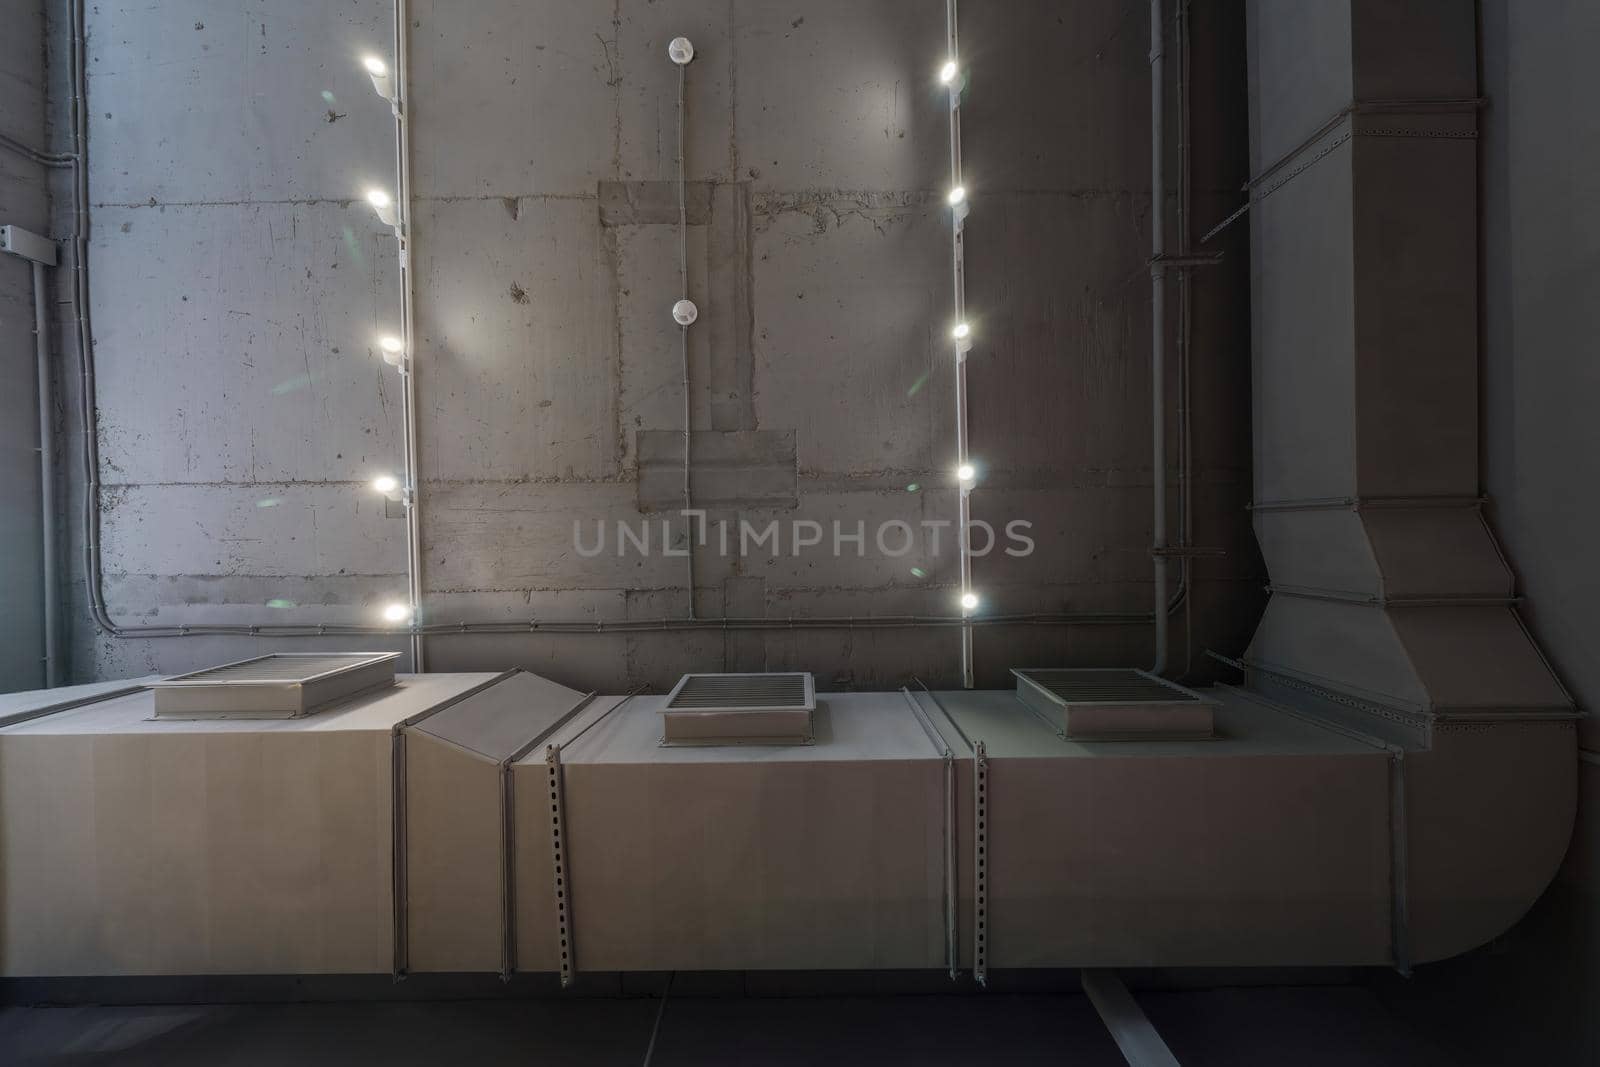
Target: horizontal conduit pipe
[(579, 626)]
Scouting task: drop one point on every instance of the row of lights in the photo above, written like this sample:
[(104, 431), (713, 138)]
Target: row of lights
[(390, 347), (961, 332), (394, 353)]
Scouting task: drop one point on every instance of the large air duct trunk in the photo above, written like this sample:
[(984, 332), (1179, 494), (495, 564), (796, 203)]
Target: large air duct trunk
[(1392, 607), (475, 823)]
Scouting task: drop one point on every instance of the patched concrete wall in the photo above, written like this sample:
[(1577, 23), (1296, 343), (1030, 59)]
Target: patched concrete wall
[(239, 281), (23, 202)]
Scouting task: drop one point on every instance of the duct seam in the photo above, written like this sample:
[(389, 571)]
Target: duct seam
[(951, 893), (398, 877)]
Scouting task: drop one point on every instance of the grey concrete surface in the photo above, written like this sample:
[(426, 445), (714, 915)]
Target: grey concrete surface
[(1309, 1026), (24, 203), (240, 280)]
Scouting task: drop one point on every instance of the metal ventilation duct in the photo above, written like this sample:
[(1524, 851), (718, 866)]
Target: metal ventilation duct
[(740, 709), (1115, 705), (284, 685)]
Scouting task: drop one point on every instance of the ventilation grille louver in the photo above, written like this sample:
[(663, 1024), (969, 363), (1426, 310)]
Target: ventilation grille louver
[(283, 685), (1115, 705), (740, 709)]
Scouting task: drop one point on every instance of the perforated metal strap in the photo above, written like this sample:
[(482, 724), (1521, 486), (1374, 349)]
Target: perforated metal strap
[(558, 853), (980, 864), (508, 833)]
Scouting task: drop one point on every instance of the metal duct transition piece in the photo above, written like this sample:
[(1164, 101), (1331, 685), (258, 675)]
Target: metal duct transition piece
[(285, 685), (740, 709), (1115, 705)]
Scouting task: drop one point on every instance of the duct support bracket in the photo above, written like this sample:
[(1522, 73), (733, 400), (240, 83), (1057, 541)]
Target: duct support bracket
[(508, 828), (558, 854), (980, 875)]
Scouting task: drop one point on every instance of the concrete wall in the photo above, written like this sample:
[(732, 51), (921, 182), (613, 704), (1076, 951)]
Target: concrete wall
[(239, 282), (23, 202)]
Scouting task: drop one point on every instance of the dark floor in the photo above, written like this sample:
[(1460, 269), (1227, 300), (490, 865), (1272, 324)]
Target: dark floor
[(1303, 1026)]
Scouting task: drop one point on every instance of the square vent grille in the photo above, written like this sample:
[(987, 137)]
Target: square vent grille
[(740, 709), (284, 685), (1116, 705)]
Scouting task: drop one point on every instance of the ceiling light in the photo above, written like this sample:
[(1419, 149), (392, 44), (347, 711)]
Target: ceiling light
[(680, 50), (966, 472), (383, 204), (969, 601), (957, 195), (389, 486), (962, 331), (397, 612), (378, 71), (393, 349), (948, 72)]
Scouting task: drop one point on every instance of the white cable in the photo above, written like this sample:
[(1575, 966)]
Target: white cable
[(685, 309)]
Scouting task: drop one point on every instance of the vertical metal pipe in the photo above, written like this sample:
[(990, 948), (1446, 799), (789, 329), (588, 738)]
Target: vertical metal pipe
[(408, 379), (1158, 329), (1186, 579), (47, 481)]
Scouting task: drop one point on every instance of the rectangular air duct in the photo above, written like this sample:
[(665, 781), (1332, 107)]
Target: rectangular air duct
[(740, 709), (1115, 705), (284, 685)]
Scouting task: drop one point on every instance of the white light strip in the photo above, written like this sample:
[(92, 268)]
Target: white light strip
[(952, 76)]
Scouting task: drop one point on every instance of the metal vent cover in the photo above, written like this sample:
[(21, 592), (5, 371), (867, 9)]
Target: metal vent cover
[(740, 709), (282, 685), (1119, 704)]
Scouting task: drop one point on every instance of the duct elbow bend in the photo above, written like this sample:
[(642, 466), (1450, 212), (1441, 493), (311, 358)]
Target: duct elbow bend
[(1490, 812)]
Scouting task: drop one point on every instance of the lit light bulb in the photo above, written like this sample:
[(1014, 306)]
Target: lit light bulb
[(393, 349), (969, 601), (383, 204), (948, 72), (966, 472), (388, 485), (378, 71), (397, 612), (962, 331), (957, 195)]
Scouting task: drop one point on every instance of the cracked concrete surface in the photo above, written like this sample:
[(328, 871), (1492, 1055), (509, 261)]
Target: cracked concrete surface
[(240, 280)]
